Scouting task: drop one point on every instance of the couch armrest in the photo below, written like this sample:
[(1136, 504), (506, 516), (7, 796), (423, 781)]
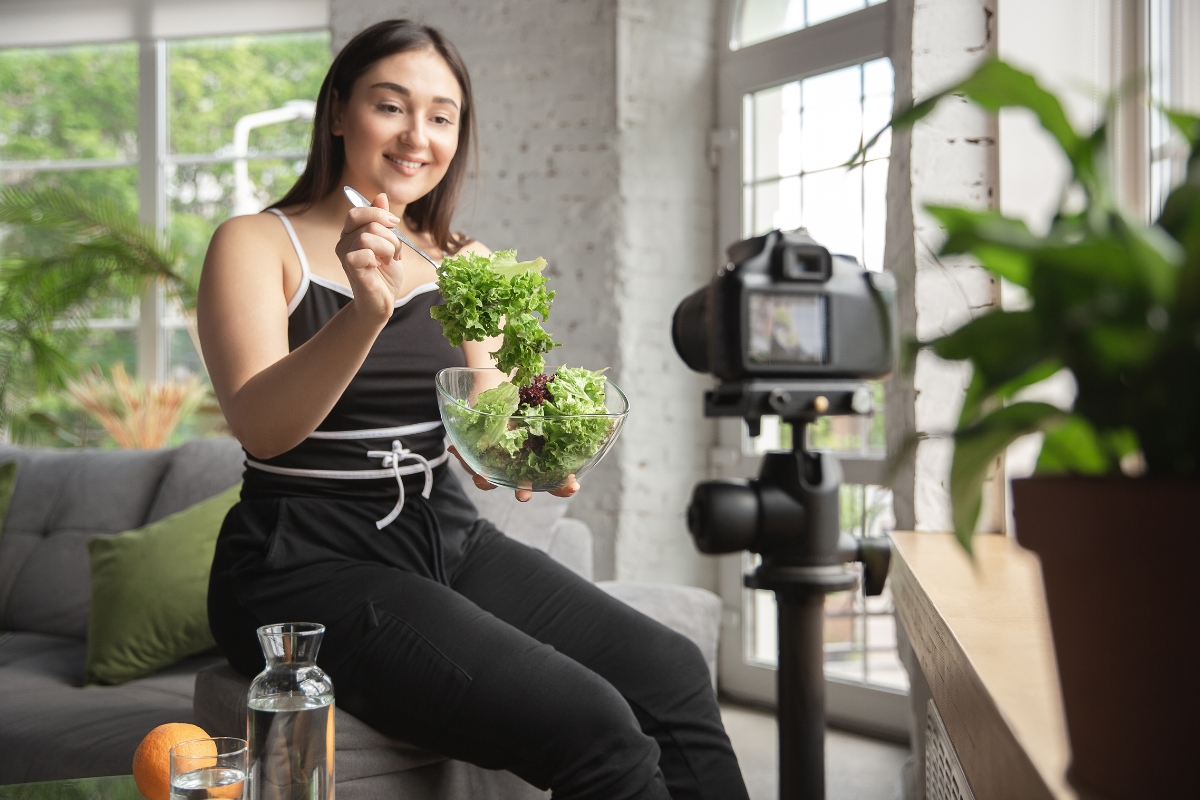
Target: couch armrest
[(571, 545)]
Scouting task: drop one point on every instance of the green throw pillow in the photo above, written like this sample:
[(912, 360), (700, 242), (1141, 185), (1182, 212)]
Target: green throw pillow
[(8, 482), (149, 592)]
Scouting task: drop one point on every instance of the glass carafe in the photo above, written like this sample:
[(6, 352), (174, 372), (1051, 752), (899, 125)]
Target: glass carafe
[(289, 718)]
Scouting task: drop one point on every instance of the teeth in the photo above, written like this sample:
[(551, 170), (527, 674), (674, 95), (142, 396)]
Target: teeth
[(403, 163)]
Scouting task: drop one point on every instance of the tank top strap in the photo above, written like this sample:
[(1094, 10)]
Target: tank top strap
[(305, 272)]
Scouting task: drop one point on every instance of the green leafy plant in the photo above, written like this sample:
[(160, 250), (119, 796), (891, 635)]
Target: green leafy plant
[(1113, 300), (63, 253)]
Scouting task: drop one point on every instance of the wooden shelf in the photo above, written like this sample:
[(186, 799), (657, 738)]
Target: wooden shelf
[(981, 635)]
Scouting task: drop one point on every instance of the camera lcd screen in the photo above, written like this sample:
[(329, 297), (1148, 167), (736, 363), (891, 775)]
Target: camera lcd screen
[(786, 329)]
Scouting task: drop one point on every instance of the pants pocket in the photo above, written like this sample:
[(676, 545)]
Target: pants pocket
[(390, 676)]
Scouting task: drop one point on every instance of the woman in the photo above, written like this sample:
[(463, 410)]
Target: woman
[(440, 630)]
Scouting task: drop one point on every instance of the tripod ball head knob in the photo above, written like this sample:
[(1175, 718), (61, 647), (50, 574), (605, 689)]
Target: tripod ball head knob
[(723, 516)]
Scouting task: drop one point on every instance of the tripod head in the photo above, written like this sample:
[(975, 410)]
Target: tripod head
[(790, 513)]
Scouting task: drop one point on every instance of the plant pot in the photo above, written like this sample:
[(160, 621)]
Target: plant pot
[(1118, 559)]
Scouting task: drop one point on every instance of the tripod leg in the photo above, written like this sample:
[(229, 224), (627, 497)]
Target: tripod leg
[(801, 681)]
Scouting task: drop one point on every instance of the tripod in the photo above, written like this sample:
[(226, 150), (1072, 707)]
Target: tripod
[(812, 564)]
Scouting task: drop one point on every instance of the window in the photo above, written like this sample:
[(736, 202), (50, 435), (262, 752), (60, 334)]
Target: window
[(797, 138), (71, 117), (1167, 149), (799, 108), (68, 118)]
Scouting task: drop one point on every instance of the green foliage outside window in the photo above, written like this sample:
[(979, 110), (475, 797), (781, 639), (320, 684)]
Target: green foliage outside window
[(82, 102)]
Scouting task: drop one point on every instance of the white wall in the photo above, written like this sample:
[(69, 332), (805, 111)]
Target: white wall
[(593, 122)]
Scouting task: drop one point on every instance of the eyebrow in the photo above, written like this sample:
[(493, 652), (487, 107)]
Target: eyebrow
[(398, 89)]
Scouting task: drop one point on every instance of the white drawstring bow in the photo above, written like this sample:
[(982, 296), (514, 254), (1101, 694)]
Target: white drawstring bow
[(391, 460)]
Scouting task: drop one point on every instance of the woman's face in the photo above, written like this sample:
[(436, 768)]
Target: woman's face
[(400, 126)]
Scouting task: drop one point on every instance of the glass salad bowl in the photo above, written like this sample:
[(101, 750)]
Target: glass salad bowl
[(533, 447)]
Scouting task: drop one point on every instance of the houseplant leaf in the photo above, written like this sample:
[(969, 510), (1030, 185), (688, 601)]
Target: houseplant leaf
[(977, 446)]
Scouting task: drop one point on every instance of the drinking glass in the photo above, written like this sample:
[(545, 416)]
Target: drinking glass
[(208, 768)]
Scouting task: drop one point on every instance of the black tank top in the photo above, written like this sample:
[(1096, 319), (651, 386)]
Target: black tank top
[(394, 388)]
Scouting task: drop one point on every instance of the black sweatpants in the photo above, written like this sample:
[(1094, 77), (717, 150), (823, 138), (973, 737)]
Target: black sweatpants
[(488, 651)]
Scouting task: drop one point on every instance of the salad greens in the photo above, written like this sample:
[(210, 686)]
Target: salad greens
[(535, 444), (537, 429), (481, 292)]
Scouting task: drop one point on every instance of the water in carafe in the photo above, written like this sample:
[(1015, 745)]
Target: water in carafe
[(290, 717)]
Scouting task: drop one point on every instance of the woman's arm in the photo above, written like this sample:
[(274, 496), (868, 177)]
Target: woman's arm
[(272, 398)]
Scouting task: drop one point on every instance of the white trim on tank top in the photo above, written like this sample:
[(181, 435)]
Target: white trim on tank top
[(307, 276)]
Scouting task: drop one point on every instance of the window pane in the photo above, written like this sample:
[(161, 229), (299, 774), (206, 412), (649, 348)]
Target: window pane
[(875, 175), (760, 20), (821, 10), (768, 122), (202, 196), (765, 19), (70, 102), (811, 128), (877, 106), (833, 118), (832, 204), (766, 206), (214, 82)]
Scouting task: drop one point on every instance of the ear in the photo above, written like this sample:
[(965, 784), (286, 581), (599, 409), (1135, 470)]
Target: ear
[(337, 114)]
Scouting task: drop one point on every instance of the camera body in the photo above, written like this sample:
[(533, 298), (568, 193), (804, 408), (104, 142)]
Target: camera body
[(793, 330), (784, 307)]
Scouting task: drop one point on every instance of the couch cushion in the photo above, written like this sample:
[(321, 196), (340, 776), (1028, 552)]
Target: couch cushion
[(199, 469), (52, 728), (62, 499)]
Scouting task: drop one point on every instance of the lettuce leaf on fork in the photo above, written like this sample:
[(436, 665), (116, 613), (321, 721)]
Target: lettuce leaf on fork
[(497, 296)]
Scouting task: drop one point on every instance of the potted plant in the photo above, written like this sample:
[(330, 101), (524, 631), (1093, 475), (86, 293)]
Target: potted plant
[(62, 253), (1116, 303)]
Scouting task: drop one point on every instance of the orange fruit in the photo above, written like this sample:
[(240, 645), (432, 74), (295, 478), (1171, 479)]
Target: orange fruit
[(152, 761)]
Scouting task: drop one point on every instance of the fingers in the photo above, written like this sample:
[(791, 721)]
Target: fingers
[(374, 239), (567, 489), (479, 481), (359, 217)]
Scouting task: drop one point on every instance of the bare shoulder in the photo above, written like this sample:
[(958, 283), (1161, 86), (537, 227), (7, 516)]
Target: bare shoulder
[(262, 227), (246, 239)]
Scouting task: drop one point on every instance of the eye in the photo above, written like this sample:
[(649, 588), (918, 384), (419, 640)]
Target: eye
[(440, 120), (390, 108)]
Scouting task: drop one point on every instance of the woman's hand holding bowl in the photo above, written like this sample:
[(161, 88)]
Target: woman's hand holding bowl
[(523, 495)]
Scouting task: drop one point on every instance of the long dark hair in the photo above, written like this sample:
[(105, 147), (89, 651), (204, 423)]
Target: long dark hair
[(327, 155)]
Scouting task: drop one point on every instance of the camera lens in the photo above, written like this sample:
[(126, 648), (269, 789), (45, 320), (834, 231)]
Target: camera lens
[(689, 330)]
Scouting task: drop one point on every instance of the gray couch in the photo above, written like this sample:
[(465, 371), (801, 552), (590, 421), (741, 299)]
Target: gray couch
[(51, 727)]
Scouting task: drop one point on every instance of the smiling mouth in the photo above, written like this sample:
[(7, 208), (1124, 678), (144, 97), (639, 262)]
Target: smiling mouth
[(402, 162)]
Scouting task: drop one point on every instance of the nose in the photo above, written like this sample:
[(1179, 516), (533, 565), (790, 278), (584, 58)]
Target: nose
[(415, 135)]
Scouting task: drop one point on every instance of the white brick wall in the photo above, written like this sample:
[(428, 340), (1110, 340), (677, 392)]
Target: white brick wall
[(948, 158), (665, 109), (593, 122)]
